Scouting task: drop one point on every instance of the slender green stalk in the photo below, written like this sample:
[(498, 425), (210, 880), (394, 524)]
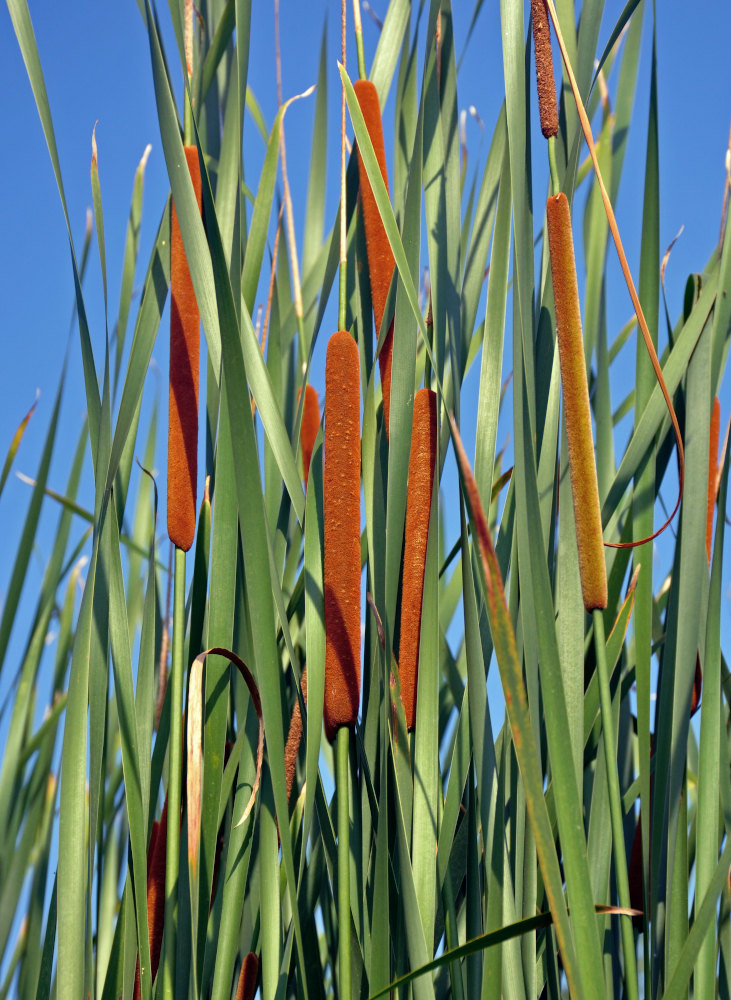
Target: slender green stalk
[(344, 971), (175, 751), (362, 73), (555, 186), (615, 808)]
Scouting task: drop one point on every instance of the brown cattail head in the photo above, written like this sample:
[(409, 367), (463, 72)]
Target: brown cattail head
[(309, 427), (422, 460), (294, 738), (247, 979), (184, 365), (155, 894), (584, 489), (342, 533), (547, 108), (380, 257), (712, 471)]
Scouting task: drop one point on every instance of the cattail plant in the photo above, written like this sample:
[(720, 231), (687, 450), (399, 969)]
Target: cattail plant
[(584, 488), (587, 517), (422, 460), (380, 257), (342, 533)]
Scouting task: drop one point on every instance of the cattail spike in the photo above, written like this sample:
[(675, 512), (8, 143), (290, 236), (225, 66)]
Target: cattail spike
[(184, 366), (547, 108), (712, 471), (247, 979), (342, 533), (422, 460), (294, 738), (309, 427), (380, 257), (155, 895), (585, 491)]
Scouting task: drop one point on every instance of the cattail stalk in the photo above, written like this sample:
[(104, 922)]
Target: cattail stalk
[(712, 471), (422, 460), (584, 487), (172, 858), (184, 368), (309, 427), (342, 533), (380, 258)]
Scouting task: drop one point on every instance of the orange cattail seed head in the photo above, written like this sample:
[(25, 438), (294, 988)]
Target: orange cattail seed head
[(585, 491), (422, 460), (184, 366), (342, 533), (547, 109), (309, 427), (380, 257)]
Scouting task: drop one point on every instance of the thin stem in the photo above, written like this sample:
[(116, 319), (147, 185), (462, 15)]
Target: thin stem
[(342, 289), (188, 45), (359, 40), (175, 752), (615, 808), (344, 972), (555, 186)]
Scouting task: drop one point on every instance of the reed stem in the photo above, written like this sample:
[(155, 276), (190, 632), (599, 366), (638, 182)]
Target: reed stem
[(553, 166), (362, 72), (615, 808), (342, 780), (175, 751)]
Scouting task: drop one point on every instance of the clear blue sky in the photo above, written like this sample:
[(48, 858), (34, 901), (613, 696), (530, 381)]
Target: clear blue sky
[(97, 68)]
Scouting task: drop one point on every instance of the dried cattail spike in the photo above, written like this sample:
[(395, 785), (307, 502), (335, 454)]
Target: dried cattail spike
[(247, 979), (712, 471), (380, 257), (422, 460), (342, 533), (309, 427), (585, 491), (184, 366), (547, 108)]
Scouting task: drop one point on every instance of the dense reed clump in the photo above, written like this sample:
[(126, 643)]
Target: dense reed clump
[(309, 427), (547, 108), (584, 488), (184, 369), (342, 533), (498, 777), (380, 256), (422, 460)]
